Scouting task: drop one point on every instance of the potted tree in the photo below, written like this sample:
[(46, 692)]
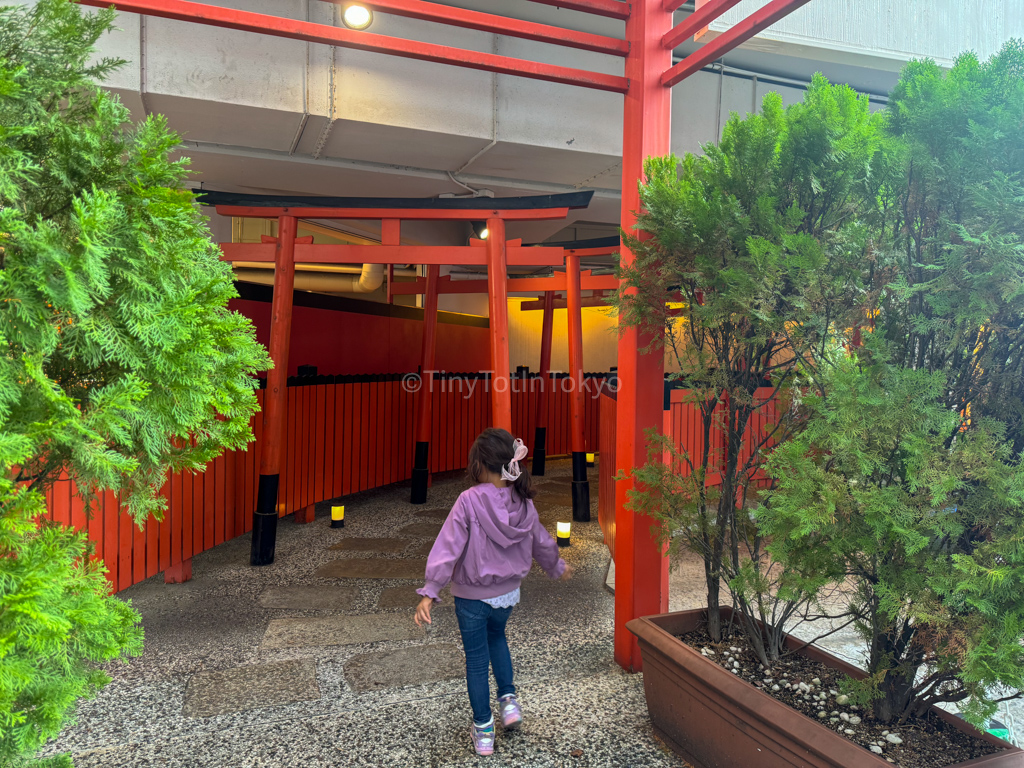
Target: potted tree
[(899, 476)]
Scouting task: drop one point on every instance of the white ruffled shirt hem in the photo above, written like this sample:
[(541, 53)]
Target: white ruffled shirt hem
[(507, 600)]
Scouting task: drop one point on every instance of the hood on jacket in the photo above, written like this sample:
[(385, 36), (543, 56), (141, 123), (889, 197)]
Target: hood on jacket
[(504, 516)]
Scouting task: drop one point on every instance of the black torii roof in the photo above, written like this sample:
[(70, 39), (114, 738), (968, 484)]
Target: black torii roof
[(532, 202), (594, 242)]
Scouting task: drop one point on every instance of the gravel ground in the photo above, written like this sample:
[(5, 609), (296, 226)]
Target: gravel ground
[(295, 706)]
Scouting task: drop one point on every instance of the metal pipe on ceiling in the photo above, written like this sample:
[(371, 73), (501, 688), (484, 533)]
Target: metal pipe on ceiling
[(344, 269), (370, 278)]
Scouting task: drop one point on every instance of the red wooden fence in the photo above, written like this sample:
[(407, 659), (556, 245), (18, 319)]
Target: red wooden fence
[(344, 436), (683, 423)]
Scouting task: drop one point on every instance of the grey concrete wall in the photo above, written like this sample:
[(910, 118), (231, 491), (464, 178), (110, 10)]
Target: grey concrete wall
[(847, 30)]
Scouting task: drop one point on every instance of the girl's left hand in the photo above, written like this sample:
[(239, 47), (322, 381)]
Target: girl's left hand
[(423, 611)]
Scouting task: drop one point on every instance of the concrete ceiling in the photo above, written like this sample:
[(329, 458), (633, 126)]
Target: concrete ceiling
[(235, 145)]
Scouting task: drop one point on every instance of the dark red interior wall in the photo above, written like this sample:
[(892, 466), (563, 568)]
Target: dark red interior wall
[(350, 343)]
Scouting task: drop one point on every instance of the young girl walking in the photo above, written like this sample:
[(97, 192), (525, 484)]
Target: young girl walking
[(485, 549)]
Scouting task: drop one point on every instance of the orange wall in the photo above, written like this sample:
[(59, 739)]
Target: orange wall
[(343, 342)]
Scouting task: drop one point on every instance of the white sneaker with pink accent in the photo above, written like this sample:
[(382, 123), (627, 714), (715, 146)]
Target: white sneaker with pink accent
[(511, 714)]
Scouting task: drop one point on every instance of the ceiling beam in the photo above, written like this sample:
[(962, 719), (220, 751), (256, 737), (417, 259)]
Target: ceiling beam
[(613, 9), (499, 25), (261, 23), (732, 38), (696, 21)]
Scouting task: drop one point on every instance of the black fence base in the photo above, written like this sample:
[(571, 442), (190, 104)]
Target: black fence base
[(264, 522), (580, 488), (540, 437), (420, 474)]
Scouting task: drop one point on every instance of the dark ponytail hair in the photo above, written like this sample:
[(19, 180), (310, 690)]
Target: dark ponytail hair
[(492, 451)]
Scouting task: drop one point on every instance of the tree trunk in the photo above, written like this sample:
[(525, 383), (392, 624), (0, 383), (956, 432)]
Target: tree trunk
[(889, 652), (714, 585), (897, 691)]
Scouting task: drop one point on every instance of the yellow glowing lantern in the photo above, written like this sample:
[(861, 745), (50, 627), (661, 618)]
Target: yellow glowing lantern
[(562, 534), (338, 517), (590, 459)]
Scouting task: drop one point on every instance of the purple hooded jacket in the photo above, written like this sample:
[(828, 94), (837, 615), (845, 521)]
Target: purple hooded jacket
[(487, 545)]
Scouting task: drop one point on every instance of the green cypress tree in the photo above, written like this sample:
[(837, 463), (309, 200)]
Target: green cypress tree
[(762, 240), (907, 481), (119, 360)]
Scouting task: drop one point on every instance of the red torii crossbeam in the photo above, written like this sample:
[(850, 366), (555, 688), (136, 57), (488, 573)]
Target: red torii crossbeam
[(516, 254), (556, 282), (599, 299)]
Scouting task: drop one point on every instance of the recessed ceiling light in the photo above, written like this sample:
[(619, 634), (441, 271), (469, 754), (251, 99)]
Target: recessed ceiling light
[(356, 17)]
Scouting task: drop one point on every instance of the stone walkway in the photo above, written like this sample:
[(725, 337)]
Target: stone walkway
[(315, 660)]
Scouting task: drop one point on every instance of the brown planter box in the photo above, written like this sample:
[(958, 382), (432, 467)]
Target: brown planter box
[(716, 720)]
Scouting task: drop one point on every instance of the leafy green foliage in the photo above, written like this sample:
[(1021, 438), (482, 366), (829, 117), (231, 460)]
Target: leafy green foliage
[(928, 537), (56, 620), (121, 356), (906, 482), (951, 245), (762, 239), (120, 361)]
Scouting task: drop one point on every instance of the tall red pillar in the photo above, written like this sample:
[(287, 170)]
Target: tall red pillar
[(421, 457), (641, 570), (275, 404), (574, 321), (497, 290), (540, 435)]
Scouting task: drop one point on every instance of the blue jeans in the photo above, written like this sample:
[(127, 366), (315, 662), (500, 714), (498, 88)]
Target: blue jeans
[(483, 639)]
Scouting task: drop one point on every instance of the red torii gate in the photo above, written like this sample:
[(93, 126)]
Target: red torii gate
[(287, 249), (649, 73), (573, 280)]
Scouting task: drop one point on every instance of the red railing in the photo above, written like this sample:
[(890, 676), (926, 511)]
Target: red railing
[(344, 436)]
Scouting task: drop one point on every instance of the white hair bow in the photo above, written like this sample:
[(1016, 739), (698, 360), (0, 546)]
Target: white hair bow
[(512, 471)]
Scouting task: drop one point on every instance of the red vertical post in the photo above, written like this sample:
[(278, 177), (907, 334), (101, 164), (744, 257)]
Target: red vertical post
[(421, 456), (573, 314), (641, 570), (275, 404), (540, 435), (574, 320), (497, 289)]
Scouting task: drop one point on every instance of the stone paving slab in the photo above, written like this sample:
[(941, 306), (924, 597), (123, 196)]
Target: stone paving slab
[(434, 514), (547, 508), (371, 545), (554, 499), (252, 687), (407, 666), (406, 597), (425, 530), (323, 631), (557, 485), (372, 568), (310, 598), (422, 549)]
